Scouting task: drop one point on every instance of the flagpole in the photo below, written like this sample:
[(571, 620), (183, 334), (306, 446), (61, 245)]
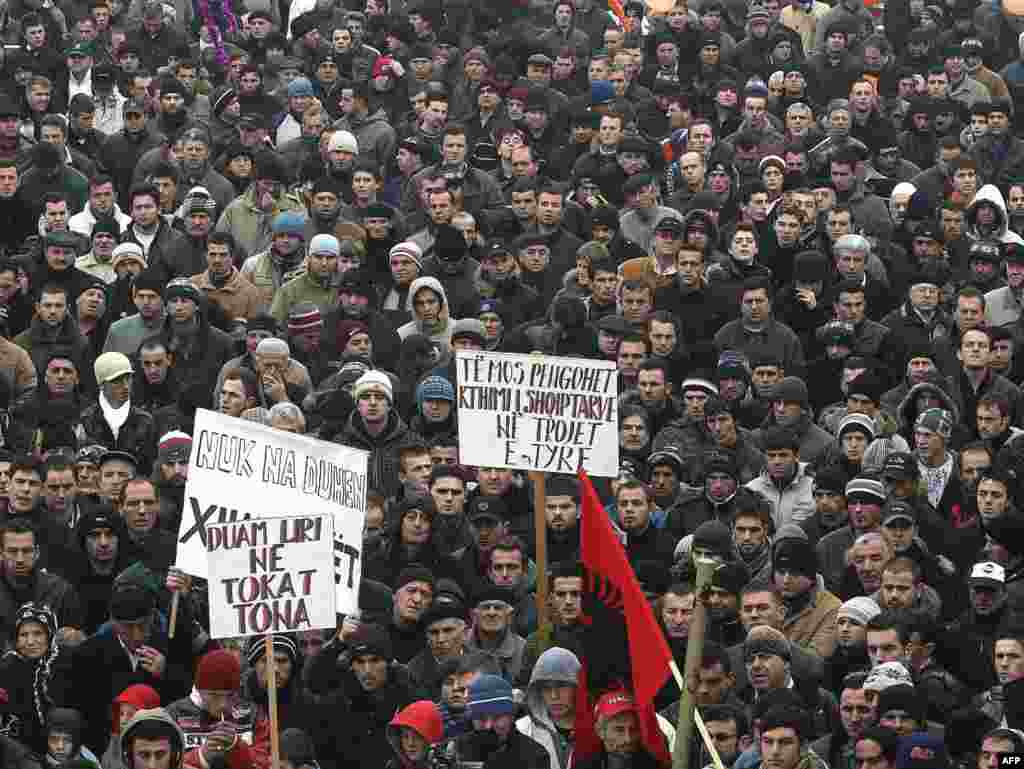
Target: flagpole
[(705, 567), (540, 525), (698, 720)]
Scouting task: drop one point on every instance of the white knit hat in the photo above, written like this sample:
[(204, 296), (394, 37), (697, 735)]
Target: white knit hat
[(374, 380), (343, 141)]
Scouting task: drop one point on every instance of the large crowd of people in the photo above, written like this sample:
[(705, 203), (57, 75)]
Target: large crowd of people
[(796, 230)]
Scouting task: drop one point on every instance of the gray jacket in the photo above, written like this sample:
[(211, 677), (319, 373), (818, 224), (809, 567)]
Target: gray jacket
[(555, 665)]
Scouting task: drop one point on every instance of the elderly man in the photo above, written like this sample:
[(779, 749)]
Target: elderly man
[(492, 632), (851, 254), (272, 363), (446, 624)]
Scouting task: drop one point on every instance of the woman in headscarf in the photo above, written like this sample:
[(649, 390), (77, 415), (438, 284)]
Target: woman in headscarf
[(26, 673)]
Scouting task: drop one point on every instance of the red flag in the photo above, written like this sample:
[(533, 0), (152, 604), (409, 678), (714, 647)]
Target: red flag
[(585, 742), (603, 555)]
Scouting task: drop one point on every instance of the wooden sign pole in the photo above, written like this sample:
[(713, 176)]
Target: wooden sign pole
[(541, 534), (275, 736)]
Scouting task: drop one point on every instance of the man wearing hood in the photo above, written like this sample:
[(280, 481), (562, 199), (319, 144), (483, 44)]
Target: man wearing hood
[(551, 705), (100, 536), (427, 301), (150, 740), (986, 217), (412, 734), (126, 705), (317, 284)]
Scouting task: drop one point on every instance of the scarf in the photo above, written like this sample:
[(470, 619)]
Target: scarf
[(219, 281), (116, 417), (936, 479)]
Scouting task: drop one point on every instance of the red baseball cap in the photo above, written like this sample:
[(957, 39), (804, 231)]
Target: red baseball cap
[(611, 704)]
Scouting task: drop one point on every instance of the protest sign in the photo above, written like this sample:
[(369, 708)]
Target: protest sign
[(534, 412), (241, 470), (271, 575)]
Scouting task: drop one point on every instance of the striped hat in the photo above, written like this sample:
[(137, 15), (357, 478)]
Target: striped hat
[(304, 316), (409, 249), (866, 487), (175, 446), (935, 421), (857, 422), (699, 383)]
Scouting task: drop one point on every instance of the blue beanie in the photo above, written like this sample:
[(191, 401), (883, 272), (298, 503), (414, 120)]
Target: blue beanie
[(601, 92), (289, 222), (490, 695), (435, 388)]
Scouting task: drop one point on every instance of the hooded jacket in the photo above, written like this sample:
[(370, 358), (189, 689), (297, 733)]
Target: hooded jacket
[(556, 665), (141, 697), (424, 718), (990, 193), (442, 335), (906, 413)]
